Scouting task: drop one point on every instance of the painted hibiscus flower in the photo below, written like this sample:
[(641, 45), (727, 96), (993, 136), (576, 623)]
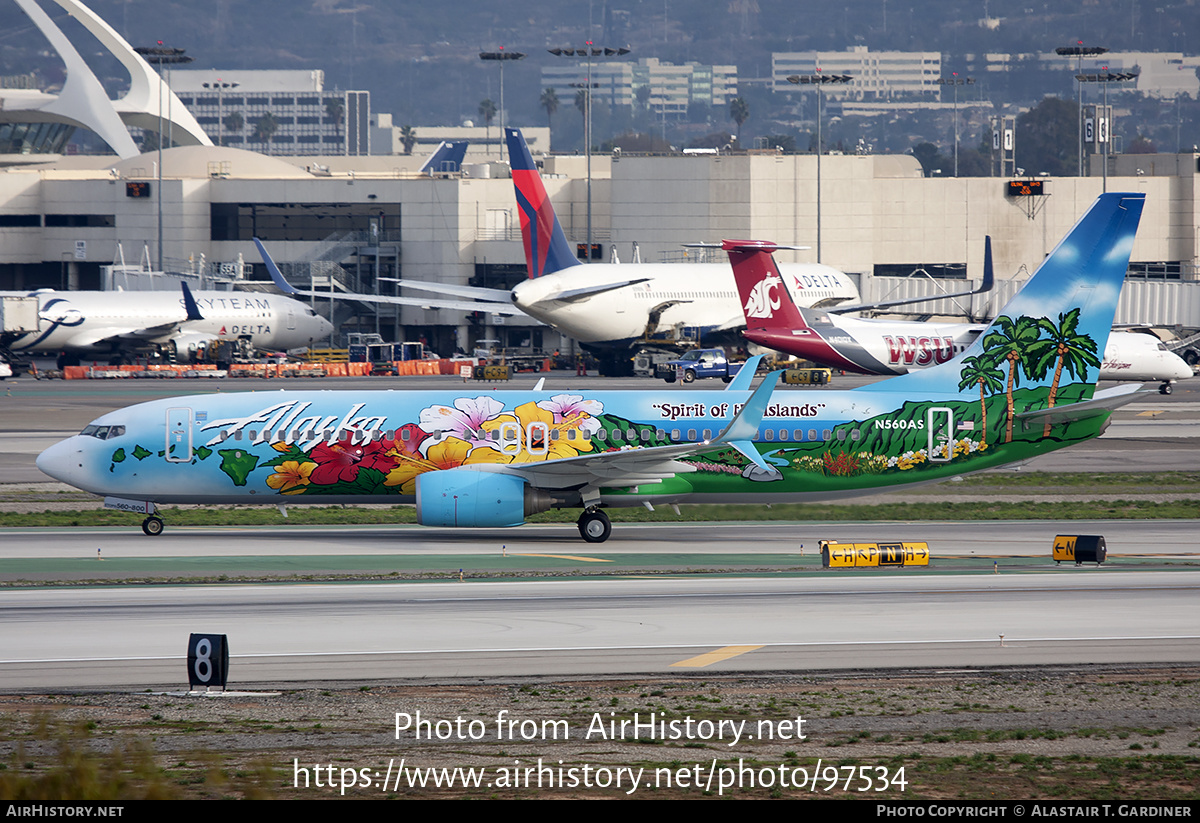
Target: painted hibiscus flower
[(572, 411), (341, 462), (291, 476), (464, 421)]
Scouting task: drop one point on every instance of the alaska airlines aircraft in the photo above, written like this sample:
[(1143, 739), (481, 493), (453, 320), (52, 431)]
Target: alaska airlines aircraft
[(491, 459), (117, 324), (775, 321)]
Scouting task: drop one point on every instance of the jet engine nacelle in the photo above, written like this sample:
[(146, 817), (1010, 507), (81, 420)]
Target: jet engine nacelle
[(464, 497)]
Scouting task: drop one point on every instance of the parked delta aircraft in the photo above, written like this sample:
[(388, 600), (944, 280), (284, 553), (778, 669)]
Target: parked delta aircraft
[(611, 306), (775, 321), (120, 324), (491, 459)]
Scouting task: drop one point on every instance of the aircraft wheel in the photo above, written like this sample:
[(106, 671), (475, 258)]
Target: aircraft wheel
[(152, 526), (689, 376), (594, 526), (1165, 388)]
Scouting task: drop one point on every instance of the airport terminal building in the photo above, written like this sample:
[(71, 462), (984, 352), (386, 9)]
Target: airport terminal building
[(366, 229)]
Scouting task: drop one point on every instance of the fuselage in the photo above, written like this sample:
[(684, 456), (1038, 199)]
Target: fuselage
[(339, 447), (100, 322), (657, 298), (895, 347)]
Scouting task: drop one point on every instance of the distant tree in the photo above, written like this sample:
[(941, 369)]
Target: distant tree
[(783, 141), (1048, 138), (487, 110), (931, 159), (265, 128), (1141, 145), (739, 113), (235, 122), (637, 142), (549, 101), (716, 140), (581, 103), (335, 110), (408, 136)]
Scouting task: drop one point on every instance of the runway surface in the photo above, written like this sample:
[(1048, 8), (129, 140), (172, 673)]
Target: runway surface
[(790, 616), (134, 637)]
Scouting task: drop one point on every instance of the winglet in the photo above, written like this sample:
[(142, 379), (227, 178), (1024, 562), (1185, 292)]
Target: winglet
[(447, 157), (989, 278), (742, 380), (276, 275), (741, 430), (189, 303)]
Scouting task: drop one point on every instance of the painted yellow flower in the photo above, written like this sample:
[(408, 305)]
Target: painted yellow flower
[(538, 436), (291, 476), (449, 453)]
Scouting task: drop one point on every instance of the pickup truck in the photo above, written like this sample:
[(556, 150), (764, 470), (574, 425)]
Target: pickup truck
[(696, 364)]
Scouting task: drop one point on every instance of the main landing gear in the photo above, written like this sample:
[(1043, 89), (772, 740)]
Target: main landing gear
[(594, 526), (152, 526)]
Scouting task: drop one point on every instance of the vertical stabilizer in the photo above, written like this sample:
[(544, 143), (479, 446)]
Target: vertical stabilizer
[(546, 248), (1053, 331)]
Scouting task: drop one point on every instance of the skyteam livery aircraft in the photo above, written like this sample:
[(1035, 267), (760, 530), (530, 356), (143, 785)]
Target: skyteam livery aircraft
[(119, 324), (492, 459), (854, 344)]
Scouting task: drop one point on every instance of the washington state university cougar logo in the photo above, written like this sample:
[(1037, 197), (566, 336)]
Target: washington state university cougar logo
[(763, 302)]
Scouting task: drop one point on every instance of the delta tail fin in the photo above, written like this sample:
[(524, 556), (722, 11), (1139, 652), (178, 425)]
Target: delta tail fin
[(546, 248), (1053, 331)]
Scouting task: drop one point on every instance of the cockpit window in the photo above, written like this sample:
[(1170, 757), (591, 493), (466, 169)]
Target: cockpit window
[(102, 432)]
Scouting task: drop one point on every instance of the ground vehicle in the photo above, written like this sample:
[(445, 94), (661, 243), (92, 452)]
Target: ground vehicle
[(698, 364)]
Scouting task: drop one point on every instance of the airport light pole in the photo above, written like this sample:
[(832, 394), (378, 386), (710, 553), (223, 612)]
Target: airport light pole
[(501, 57), (1080, 51), (956, 81), (1104, 134), (589, 51), (820, 81), (160, 56)]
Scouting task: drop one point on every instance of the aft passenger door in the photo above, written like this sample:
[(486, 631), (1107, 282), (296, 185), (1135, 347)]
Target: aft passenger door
[(179, 436)]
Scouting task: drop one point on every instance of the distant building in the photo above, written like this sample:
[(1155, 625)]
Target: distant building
[(879, 75), (486, 143), (1162, 75), (276, 112), (668, 88)]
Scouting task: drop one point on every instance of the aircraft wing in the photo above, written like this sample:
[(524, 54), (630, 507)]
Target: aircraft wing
[(589, 291), (989, 280), (435, 303), (498, 295), (629, 467)]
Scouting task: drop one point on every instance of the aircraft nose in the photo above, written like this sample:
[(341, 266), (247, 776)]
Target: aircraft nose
[(62, 461)]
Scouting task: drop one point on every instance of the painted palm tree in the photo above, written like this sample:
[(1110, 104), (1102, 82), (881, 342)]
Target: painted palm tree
[(1065, 348), (980, 370), (739, 113), (1009, 343)]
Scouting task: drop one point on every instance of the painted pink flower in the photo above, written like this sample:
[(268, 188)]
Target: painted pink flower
[(464, 421)]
